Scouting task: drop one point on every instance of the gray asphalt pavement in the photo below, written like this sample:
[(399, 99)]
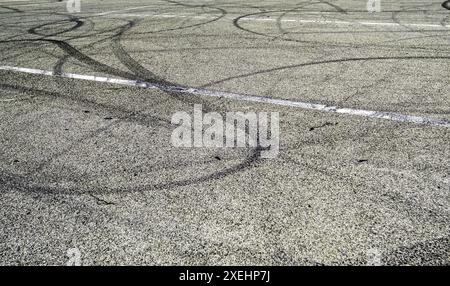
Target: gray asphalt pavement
[(87, 166)]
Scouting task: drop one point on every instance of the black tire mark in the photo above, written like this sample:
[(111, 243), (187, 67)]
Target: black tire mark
[(273, 37), (338, 8), (120, 113), (223, 14), (71, 51), (240, 27), (25, 184), (236, 23), (396, 19), (83, 58), (280, 18), (77, 24), (25, 188), (140, 71), (326, 62), (340, 45), (144, 74), (11, 9), (98, 66), (136, 68), (57, 69)]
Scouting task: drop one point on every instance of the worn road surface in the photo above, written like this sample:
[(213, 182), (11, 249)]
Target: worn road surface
[(86, 160)]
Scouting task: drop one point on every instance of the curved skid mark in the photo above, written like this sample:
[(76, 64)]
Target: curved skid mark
[(250, 98), (77, 24), (247, 162), (139, 73), (324, 62), (13, 10)]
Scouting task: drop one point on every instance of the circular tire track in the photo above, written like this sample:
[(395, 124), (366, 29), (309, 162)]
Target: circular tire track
[(137, 72), (76, 23), (33, 179)]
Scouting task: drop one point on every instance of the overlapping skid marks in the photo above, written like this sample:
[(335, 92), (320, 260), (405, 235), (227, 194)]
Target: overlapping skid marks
[(136, 71)]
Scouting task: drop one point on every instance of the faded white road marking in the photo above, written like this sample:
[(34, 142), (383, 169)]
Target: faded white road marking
[(303, 21), (242, 97), (117, 11)]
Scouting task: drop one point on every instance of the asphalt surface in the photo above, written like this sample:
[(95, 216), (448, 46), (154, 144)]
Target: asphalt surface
[(89, 165)]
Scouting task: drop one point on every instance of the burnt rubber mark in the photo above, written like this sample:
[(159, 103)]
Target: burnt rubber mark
[(75, 24), (222, 12), (116, 111), (285, 13), (323, 125), (57, 69), (11, 9), (30, 184), (338, 8), (134, 66), (101, 202), (278, 21), (98, 66), (446, 5), (324, 62), (137, 71), (26, 184)]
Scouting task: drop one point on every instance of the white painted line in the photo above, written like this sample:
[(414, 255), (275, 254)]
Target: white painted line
[(303, 21), (162, 16), (117, 11), (363, 23), (242, 97)]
